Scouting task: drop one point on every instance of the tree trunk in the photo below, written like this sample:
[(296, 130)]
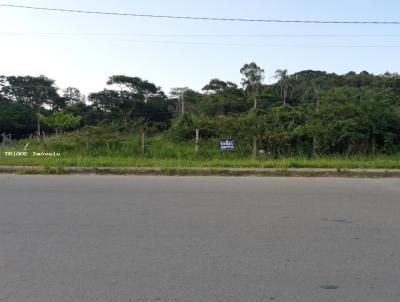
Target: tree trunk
[(126, 123), (147, 127), (183, 105), (284, 96)]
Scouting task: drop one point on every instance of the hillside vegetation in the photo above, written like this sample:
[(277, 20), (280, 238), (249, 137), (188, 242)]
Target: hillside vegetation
[(310, 118)]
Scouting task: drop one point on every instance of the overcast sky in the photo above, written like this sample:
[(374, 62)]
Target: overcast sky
[(177, 53)]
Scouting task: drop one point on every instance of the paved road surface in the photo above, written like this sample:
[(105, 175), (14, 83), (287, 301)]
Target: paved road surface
[(131, 239)]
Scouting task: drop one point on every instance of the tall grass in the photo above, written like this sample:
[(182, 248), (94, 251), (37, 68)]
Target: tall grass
[(160, 152)]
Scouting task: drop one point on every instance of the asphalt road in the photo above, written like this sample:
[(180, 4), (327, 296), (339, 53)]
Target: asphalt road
[(133, 238)]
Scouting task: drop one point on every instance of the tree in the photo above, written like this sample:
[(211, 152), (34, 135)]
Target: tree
[(16, 118), (122, 103), (253, 76), (184, 127), (32, 91), (284, 84), (178, 94), (216, 85), (223, 98), (73, 96), (187, 98), (60, 121)]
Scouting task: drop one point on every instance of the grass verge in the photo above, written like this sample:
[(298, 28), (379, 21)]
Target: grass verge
[(164, 154)]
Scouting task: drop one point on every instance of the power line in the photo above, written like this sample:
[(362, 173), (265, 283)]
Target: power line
[(199, 18), (196, 35), (172, 42)]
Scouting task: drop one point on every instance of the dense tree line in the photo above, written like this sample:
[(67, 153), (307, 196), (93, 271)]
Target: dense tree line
[(306, 113)]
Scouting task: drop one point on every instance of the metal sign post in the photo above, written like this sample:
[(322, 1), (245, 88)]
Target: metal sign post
[(196, 148)]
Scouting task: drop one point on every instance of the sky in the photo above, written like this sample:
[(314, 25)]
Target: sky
[(82, 50)]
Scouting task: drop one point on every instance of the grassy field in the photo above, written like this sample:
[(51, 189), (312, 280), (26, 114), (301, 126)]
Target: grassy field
[(160, 152)]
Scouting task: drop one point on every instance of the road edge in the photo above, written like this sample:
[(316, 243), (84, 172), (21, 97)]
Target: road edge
[(262, 172)]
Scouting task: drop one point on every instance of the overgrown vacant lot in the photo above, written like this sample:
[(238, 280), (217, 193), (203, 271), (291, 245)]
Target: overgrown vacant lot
[(126, 151)]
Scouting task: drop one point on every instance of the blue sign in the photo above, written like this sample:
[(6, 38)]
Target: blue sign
[(225, 144)]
